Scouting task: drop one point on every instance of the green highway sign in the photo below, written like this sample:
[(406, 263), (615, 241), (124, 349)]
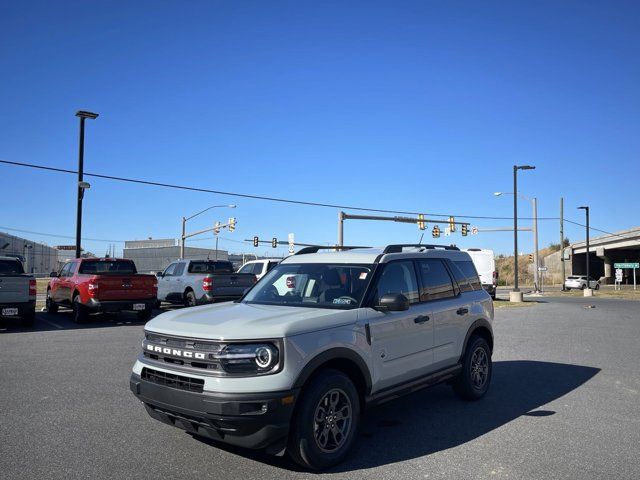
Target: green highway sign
[(626, 265)]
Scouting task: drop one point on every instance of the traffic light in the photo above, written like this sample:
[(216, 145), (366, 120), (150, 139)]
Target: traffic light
[(274, 242), (232, 224), (452, 224), (531, 258), (216, 228), (421, 223), (464, 229), (435, 233), (256, 241)]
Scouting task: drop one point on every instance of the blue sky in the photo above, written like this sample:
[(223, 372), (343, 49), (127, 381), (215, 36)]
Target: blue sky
[(419, 106)]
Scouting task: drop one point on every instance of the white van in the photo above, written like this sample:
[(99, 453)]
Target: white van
[(485, 264)]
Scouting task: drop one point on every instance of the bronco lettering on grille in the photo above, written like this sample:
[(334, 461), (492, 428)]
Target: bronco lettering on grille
[(174, 352)]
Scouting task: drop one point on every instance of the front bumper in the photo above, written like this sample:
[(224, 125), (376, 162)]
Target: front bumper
[(249, 420), (490, 288), (24, 308), (118, 305)]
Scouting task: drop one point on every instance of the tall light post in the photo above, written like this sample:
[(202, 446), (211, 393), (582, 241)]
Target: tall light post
[(184, 223), (82, 185), (516, 295), (536, 261), (586, 211)]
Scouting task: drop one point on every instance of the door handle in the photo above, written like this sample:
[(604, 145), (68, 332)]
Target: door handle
[(421, 319), (462, 311)]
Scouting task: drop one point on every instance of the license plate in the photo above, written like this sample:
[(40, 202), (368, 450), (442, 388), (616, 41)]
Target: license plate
[(139, 306), (9, 312)]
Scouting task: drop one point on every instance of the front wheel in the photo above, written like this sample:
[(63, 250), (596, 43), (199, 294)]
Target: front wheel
[(597, 286), (474, 379), (325, 423), (583, 287)]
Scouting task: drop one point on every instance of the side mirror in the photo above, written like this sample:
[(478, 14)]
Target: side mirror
[(159, 274), (53, 274), (393, 302)]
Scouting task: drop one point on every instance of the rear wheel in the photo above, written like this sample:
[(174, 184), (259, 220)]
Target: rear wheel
[(473, 382), (190, 299), (80, 313), (52, 307), (583, 287), (325, 423), (597, 286)]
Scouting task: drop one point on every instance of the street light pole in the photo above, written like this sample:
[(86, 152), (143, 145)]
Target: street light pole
[(183, 237), (516, 296), (536, 261), (81, 187)]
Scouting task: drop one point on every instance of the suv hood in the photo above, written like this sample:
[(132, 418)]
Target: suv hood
[(240, 321)]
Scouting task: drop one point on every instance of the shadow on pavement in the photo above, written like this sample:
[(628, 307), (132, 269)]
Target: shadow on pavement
[(435, 419)]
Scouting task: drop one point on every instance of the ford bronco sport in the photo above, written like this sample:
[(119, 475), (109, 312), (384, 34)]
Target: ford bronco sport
[(291, 366)]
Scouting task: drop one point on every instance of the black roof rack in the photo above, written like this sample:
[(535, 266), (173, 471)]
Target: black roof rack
[(397, 248), (315, 248)]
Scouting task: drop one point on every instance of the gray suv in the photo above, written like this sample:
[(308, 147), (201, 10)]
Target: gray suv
[(292, 365)]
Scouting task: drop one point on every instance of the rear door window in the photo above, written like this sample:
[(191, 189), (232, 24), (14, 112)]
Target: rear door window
[(179, 270), (436, 281), (460, 278)]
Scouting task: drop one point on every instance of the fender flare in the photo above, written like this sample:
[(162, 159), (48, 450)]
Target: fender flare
[(333, 354), (481, 322)]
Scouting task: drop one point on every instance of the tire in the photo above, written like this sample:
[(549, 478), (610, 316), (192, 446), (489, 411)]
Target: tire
[(52, 307), (475, 378), (80, 313), (583, 287), (190, 299), (144, 315), (27, 319), (597, 286), (320, 397), (568, 289)]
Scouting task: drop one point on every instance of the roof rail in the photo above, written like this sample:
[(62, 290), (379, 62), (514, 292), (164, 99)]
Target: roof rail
[(397, 248), (315, 248)]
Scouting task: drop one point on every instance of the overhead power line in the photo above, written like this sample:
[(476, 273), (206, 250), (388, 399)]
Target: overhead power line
[(255, 197)]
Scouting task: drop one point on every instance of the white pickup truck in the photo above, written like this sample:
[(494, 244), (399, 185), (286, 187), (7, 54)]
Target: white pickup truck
[(17, 291), (196, 282)]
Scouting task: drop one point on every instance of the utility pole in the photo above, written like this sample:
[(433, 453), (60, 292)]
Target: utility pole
[(562, 242), (515, 228), (340, 228), (587, 291), (182, 237)]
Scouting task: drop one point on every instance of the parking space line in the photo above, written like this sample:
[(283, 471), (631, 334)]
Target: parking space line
[(52, 324)]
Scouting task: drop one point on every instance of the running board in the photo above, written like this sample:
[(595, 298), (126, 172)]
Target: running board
[(411, 386)]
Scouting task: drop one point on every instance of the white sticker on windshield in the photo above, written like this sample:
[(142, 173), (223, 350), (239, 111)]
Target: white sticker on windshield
[(342, 301), (363, 276)]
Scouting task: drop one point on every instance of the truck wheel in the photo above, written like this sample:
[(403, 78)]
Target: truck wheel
[(51, 306), (190, 299), (144, 315), (325, 423), (27, 319), (80, 314), (474, 379)]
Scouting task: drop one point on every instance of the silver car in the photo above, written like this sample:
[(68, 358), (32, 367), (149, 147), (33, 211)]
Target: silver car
[(580, 282)]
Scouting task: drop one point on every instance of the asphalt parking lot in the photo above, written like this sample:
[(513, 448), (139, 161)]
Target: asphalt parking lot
[(564, 403)]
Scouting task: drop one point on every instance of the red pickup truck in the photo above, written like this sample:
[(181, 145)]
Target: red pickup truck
[(101, 285)]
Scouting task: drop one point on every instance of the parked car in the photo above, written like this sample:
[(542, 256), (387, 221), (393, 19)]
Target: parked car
[(259, 267), (17, 291), (101, 285), (321, 336), (580, 282), (195, 282), (485, 264)]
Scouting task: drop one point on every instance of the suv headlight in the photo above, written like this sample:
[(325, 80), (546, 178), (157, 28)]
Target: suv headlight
[(256, 358)]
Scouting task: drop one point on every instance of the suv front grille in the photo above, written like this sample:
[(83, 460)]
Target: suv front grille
[(197, 354), (172, 380)]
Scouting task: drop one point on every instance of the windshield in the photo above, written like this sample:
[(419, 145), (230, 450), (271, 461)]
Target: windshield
[(106, 267), (312, 285)]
